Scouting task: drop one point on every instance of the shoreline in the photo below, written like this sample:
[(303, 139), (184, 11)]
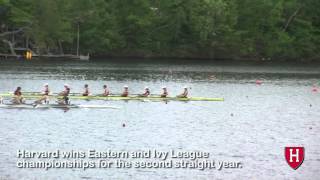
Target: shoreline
[(95, 57)]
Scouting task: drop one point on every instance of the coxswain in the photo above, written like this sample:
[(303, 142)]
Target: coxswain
[(65, 95), (125, 92), (184, 94), (17, 98), (106, 91), (86, 90), (45, 95), (146, 92), (164, 93)]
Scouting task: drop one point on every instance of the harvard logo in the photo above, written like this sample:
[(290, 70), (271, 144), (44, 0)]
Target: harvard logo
[(294, 156)]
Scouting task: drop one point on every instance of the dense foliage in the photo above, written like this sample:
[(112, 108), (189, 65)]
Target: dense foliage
[(255, 29)]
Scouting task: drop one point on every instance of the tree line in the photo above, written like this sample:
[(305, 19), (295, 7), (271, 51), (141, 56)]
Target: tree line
[(220, 29)]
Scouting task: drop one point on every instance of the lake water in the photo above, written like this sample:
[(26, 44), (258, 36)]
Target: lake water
[(252, 125)]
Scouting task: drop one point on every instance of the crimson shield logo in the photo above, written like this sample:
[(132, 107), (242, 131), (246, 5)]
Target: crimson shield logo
[(294, 156)]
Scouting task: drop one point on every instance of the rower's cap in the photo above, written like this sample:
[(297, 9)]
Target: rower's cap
[(146, 88), (185, 87), (45, 84), (125, 86), (164, 87), (66, 85)]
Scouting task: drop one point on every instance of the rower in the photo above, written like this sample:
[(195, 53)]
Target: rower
[(18, 99), (1, 100), (184, 94), (125, 92), (146, 92), (106, 91), (45, 95), (86, 90), (65, 95), (165, 92)]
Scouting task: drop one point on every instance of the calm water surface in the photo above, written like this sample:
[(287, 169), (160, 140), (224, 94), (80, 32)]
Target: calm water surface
[(252, 125)]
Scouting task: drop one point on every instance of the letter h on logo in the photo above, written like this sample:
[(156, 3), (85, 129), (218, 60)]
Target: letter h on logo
[(294, 156)]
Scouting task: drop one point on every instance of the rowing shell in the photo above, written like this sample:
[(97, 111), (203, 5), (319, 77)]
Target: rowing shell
[(113, 98), (31, 106)]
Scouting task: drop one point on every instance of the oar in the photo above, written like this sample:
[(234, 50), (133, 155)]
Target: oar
[(97, 106)]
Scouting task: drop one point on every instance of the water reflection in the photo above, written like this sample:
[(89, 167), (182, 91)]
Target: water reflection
[(148, 70)]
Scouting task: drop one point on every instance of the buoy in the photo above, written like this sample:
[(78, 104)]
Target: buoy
[(314, 88), (258, 82), (231, 114), (123, 125)]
